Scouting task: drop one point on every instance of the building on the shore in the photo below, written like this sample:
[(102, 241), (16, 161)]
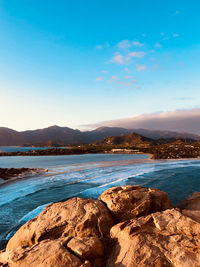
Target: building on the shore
[(125, 150)]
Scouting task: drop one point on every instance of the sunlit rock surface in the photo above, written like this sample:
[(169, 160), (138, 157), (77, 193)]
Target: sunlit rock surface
[(165, 238), (132, 201), (128, 226), (75, 217)]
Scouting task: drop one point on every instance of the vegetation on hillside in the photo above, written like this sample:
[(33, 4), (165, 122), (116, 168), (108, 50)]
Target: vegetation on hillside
[(126, 143)]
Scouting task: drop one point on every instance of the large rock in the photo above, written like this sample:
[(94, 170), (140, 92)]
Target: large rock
[(47, 253), (80, 232), (75, 217), (165, 238), (62, 252), (191, 206), (132, 201)]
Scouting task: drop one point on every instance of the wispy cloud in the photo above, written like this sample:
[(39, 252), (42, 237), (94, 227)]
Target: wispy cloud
[(137, 54), (99, 79), (126, 44), (128, 77), (99, 47), (102, 46), (127, 69), (127, 83), (175, 35), (166, 38), (154, 67), (137, 44), (157, 45), (140, 67), (112, 79), (104, 71), (118, 58)]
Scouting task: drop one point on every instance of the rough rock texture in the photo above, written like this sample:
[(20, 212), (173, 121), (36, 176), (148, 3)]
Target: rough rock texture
[(75, 252), (80, 233), (86, 247), (132, 201), (165, 238), (47, 253), (191, 206), (75, 217)]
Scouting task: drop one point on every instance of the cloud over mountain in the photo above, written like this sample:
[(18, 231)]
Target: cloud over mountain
[(179, 120)]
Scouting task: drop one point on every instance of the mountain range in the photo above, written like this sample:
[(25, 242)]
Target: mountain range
[(59, 136)]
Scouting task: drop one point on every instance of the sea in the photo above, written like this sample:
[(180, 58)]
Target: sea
[(86, 176)]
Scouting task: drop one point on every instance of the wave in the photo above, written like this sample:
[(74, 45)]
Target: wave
[(89, 175), (27, 217), (98, 190)]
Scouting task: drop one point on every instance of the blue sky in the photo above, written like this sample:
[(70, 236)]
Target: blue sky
[(72, 63)]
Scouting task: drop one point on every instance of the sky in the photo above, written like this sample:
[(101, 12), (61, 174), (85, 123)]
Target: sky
[(79, 63)]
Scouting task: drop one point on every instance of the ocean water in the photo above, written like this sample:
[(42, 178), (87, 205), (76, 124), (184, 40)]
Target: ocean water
[(87, 176)]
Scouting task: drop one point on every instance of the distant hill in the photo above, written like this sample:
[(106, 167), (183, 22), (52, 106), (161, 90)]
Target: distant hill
[(139, 141), (10, 137), (55, 135), (46, 136), (156, 134), (128, 140)]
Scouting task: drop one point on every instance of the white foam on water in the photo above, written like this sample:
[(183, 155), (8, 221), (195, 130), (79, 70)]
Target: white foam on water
[(27, 217)]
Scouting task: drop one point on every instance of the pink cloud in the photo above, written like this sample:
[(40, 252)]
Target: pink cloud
[(137, 54), (99, 79), (137, 44), (140, 67), (118, 58), (178, 120), (124, 44), (128, 83), (112, 79)]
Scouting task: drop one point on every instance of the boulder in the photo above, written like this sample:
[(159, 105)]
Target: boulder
[(166, 238), (132, 201), (81, 232), (47, 253), (62, 252), (191, 206), (74, 217)]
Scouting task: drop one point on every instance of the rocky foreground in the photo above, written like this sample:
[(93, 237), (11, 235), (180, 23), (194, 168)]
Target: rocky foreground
[(128, 226), (12, 173)]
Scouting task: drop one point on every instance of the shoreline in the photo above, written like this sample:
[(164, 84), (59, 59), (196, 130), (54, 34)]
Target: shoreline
[(20, 174), (46, 172), (65, 152)]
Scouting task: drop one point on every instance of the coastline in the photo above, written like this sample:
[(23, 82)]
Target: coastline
[(99, 150), (76, 167), (28, 173)]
